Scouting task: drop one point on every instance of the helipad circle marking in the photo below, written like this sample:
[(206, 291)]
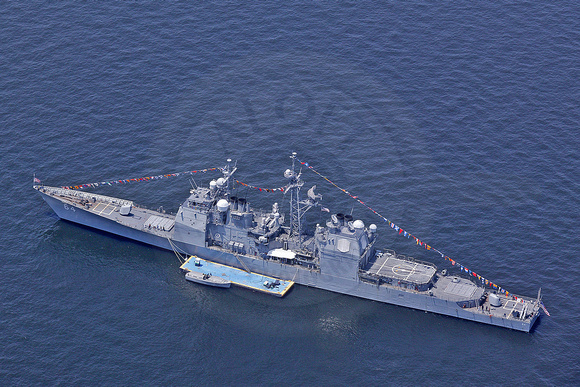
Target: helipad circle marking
[(403, 270)]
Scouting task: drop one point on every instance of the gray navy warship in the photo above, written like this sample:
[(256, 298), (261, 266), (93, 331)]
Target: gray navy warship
[(340, 256)]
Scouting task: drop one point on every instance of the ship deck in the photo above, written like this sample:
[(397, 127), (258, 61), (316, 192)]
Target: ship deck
[(388, 265)]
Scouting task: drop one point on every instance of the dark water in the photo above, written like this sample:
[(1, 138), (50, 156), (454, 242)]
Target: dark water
[(458, 122)]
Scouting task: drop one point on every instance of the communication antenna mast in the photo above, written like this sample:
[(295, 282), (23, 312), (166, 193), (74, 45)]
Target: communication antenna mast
[(297, 207), (225, 181), (294, 185)]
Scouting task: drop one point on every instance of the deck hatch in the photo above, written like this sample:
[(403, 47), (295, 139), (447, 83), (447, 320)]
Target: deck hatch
[(461, 289), (159, 223)]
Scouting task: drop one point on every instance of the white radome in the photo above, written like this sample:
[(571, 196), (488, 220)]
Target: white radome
[(223, 205)]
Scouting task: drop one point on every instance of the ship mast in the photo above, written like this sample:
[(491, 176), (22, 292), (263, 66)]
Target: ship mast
[(294, 185), (298, 207), (228, 171)]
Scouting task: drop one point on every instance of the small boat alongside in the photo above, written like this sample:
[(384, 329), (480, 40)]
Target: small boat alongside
[(207, 279)]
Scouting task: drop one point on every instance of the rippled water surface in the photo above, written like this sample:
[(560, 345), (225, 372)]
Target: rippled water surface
[(459, 122)]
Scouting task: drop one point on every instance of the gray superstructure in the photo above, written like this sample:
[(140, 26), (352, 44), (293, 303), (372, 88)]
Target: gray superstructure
[(339, 256)]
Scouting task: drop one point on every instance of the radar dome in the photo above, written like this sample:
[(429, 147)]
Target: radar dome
[(221, 182), (358, 224), (212, 185), (223, 205), (373, 228), (288, 174)]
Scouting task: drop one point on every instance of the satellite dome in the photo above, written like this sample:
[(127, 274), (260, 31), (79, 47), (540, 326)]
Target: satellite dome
[(288, 174), (221, 182), (358, 224), (212, 185), (373, 228), (223, 205)]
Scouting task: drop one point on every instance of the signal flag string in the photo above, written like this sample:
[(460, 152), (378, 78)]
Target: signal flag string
[(408, 235), (139, 179), (280, 189)]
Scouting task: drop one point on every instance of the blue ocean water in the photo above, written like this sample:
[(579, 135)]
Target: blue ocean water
[(459, 122)]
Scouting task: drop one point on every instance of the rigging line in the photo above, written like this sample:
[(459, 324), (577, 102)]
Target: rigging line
[(174, 249), (295, 274), (177, 247)]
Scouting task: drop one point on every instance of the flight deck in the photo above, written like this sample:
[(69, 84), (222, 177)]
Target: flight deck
[(388, 265)]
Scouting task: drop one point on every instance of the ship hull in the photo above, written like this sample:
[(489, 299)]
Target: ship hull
[(313, 278)]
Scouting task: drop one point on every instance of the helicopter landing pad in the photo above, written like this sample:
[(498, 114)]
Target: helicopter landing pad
[(388, 265)]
